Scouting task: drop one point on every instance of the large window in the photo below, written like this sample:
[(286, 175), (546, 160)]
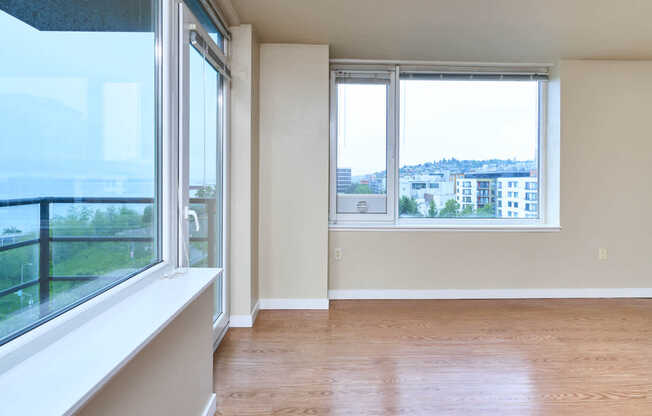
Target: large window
[(461, 141), (79, 190)]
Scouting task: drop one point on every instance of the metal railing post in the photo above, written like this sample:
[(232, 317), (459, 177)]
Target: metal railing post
[(44, 257)]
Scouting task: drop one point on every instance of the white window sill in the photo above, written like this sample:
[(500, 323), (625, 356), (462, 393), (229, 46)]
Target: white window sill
[(74, 355), (523, 228)]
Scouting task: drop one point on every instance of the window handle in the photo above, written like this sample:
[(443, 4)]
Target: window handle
[(192, 213)]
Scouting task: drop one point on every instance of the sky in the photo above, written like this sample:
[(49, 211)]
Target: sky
[(438, 119), (80, 106)]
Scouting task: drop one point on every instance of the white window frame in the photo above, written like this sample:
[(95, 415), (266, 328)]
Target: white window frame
[(393, 221), (391, 128), (187, 22)]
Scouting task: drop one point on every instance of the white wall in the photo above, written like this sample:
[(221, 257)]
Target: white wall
[(606, 153), (172, 376), (294, 145), (244, 149)]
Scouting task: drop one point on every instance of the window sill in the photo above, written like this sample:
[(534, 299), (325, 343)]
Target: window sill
[(83, 356), (523, 228)]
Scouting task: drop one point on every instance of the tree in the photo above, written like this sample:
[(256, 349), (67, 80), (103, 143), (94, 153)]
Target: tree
[(359, 188), (147, 215), (487, 211), (467, 211), (206, 191), (407, 206), (451, 209), (11, 230), (432, 210)]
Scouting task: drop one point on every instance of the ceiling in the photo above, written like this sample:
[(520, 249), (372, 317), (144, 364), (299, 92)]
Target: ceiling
[(458, 30)]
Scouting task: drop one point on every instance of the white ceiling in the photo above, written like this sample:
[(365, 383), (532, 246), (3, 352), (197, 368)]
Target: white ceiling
[(458, 30)]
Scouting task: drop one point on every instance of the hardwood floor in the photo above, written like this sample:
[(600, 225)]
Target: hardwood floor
[(442, 357)]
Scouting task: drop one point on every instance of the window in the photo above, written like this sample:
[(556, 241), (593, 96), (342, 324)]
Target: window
[(204, 83), (474, 135), (361, 150), (204, 178), (79, 201)]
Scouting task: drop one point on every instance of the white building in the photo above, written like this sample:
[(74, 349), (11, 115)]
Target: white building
[(517, 197), (474, 193), (425, 188)]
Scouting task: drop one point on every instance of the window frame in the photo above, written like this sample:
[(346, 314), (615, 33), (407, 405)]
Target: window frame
[(391, 186), (189, 22), (370, 221)]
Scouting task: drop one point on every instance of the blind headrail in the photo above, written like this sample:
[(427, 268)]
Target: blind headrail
[(449, 70)]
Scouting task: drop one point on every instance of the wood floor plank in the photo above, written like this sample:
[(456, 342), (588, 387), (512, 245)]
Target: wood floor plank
[(442, 357)]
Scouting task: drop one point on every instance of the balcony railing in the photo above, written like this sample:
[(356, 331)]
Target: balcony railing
[(45, 238)]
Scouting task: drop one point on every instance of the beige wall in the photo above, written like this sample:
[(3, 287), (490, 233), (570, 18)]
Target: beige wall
[(244, 149), (255, 168), (172, 376), (606, 197), (293, 170)]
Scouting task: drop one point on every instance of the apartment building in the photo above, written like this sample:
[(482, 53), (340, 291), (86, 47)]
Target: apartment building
[(425, 188), (343, 180), (474, 193), (517, 197)]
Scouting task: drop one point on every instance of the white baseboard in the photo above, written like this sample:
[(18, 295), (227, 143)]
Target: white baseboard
[(211, 406), (318, 303), (492, 293), (254, 312), (245, 321)]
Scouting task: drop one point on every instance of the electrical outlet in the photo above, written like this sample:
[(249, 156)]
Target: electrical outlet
[(338, 254), (603, 254)]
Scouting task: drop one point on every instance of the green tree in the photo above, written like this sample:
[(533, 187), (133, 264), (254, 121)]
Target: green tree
[(467, 211), (11, 230), (451, 209), (207, 191), (487, 211), (147, 215), (407, 206), (359, 188), (432, 210)]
